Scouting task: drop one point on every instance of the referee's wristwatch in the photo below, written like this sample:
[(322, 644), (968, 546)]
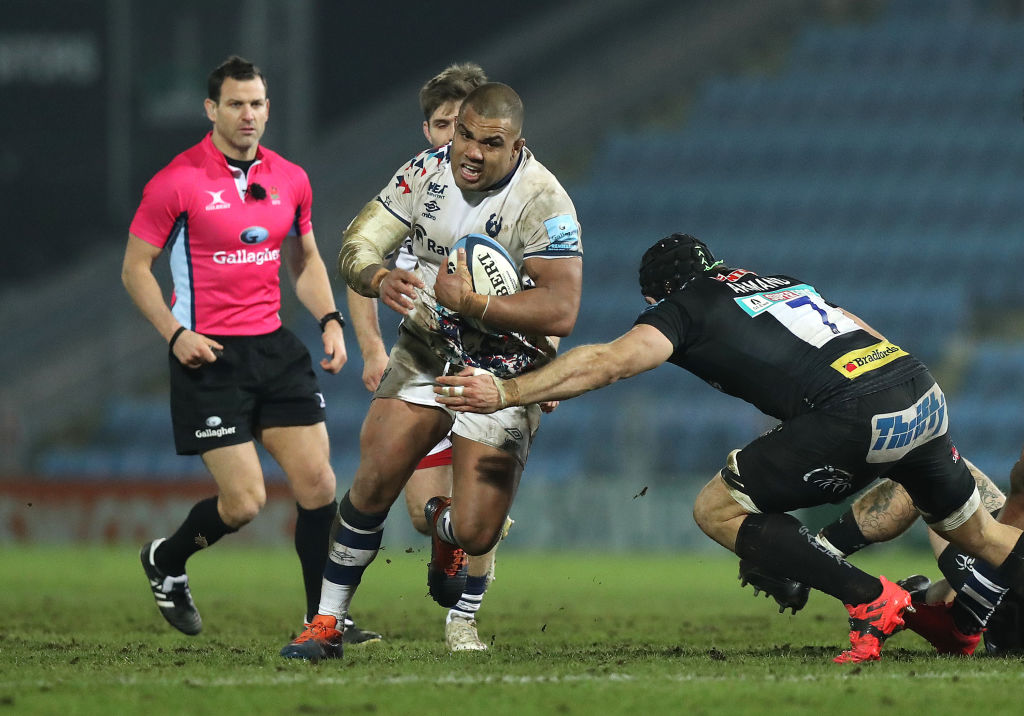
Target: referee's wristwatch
[(332, 316)]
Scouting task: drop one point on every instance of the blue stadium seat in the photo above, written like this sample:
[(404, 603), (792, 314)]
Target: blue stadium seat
[(983, 430), (883, 161)]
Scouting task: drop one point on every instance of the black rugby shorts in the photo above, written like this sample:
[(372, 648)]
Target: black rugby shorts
[(260, 382), (823, 456)]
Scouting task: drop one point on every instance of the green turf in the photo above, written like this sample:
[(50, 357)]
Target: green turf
[(570, 634)]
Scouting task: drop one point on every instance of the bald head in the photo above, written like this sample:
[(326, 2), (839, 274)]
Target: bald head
[(488, 142), (495, 100)]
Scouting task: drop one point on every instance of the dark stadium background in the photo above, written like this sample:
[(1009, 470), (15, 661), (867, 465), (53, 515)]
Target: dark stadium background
[(873, 147)]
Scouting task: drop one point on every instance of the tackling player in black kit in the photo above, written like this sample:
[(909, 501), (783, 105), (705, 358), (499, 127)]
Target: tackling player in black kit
[(853, 407)]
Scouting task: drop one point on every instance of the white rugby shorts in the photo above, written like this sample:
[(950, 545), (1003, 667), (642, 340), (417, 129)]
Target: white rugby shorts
[(410, 376)]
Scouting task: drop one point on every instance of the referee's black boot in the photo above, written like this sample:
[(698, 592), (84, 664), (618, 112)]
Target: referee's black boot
[(173, 598)]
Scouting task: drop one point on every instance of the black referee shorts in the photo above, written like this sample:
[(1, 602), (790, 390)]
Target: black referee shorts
[(829, 454), (260, 382)]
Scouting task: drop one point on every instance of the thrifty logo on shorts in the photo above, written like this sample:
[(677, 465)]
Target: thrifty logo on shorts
[(893, 435), (856, 363), (215, 432)]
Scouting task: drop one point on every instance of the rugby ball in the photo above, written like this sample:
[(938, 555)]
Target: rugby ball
[(491, 269)]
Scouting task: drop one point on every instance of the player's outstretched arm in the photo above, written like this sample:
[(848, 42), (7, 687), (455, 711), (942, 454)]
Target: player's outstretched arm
[(862, 324), (549, 406), (580, 370)]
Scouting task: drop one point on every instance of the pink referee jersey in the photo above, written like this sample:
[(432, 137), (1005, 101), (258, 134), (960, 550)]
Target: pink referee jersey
[(224, 244)]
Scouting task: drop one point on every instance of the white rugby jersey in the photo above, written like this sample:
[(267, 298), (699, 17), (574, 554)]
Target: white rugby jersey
[(528, 212), (404, 258)]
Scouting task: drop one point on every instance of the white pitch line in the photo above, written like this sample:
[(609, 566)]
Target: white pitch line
[(283, 679)]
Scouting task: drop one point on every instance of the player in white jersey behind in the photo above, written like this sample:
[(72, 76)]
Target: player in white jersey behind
[(485, 182), (440, 99)]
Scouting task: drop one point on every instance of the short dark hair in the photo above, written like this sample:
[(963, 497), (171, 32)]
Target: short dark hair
[(235, 67), (495, 100), (453, 83)]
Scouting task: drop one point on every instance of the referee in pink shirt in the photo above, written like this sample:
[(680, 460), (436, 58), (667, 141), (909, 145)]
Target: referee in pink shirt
[(226, 212)]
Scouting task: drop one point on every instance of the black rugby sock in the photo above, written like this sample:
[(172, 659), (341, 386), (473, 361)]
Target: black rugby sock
[(844, 534), (978, 598), (201, 528), (312, 544), (780, 544), (955, 566), (1012, 568), (355, 543)]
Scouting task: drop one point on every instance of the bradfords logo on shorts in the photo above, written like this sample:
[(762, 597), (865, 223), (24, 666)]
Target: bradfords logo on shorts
[(856, 363), (241, 256), (893, 435), (214, 429)]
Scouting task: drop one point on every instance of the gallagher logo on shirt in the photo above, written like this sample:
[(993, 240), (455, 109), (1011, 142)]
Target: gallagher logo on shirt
[(254, 235)]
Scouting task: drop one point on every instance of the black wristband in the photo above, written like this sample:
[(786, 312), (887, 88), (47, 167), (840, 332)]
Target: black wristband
[(332, 316), (170, 343)]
